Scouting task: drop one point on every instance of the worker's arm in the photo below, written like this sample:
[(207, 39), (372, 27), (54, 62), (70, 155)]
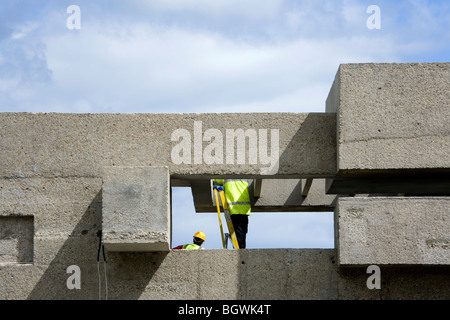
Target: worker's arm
[(218, 182), (177, 247)]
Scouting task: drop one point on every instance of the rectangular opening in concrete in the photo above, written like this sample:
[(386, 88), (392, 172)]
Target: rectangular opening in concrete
[(266, 229), (16, 239)]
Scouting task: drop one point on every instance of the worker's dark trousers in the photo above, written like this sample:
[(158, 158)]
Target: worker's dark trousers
[(240, 224)]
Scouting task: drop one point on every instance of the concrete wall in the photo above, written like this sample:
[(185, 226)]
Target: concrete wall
[(288, 274), (68, 216)]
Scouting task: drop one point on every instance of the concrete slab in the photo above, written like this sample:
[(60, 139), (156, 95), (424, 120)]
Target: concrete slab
[(393, 231), (136, 209)]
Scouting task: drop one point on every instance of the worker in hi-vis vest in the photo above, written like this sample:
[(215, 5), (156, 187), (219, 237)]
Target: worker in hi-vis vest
[(239, 206), (199, 238)]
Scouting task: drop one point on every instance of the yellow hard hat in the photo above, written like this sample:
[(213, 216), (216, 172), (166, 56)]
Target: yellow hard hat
[(200, 235)]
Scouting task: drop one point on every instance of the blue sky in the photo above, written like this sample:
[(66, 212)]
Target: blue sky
[(206, 56)]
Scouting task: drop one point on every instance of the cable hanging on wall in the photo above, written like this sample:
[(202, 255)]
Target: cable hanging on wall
[(101, 248)]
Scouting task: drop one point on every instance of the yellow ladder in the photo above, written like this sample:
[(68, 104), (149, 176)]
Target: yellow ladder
[(218, 190)]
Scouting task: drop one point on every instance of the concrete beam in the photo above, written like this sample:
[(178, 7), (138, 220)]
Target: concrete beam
[(392, 122), (136, 209), (393, 231), (292, 145)]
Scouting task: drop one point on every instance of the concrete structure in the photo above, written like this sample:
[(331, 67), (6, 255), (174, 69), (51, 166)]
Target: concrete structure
[(136, 212), (378, 158)]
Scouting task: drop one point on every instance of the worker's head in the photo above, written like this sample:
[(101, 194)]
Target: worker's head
[(199, 238)]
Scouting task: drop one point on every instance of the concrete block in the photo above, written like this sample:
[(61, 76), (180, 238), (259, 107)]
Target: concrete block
[(392, 118), (393, 231), (136, 209)]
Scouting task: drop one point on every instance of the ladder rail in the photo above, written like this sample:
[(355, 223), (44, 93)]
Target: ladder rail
[(232, 233), (228, 219), (220, 219)]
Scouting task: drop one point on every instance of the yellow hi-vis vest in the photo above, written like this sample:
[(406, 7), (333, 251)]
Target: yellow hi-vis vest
[(191, 246), (236, 195)]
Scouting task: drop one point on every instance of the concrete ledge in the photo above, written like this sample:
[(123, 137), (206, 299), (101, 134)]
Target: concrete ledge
[(393, 231), (136, 209)]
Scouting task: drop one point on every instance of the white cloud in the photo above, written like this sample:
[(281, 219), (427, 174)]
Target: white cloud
[(117, 65), (24, 30), (177, 70)]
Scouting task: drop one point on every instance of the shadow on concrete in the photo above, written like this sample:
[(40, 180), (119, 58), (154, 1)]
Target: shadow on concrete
[(396, 283), (129, 273), (81, 248)]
